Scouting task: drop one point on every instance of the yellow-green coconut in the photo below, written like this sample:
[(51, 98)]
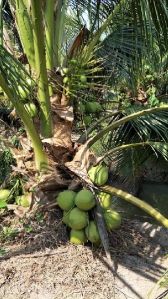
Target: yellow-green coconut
[(77, 237), (66, 200), (105, 200), (65, 80), (4, 193), (78, 219), (83, 78), (98, 174), (24, 200), (112, 219), (92, 232), (85, 200)]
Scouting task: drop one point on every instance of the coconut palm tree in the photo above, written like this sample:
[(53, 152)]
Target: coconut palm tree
[(74, 49)]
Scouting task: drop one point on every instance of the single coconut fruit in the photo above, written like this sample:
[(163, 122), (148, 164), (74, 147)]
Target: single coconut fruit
[(90, 107), (105, 200), (65, 80), (93, 107), (73, 61), (4, 193), (65, 70), (31, 109), (98, 174), (85, 200), (83, 78), (112, 219), (92, 232), (78, 219), (77, 237), (66, 200), (65, 218), (24, 200)]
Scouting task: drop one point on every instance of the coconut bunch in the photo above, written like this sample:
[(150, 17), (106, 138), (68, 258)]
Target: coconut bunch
[(78, 210), (26, 93)]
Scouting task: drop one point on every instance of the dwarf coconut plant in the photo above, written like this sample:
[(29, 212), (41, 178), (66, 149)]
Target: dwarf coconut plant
[(58, 72)]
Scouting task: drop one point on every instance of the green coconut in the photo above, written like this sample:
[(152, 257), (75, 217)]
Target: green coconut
[(93, 107), (65, 218), (3, 204), (112, 219), (78, 219), (73, 61), (31, 109), (92, 232), (4, 193), (24, 200), (83, 78), (98, 174), (87, 120), (105, 200), (66, 200), (65, 70), (85, 200), (77, 237), (65, 80)]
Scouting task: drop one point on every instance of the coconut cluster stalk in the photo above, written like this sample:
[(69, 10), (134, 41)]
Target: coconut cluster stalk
[(40, 157), (137, 202), (41, 71)]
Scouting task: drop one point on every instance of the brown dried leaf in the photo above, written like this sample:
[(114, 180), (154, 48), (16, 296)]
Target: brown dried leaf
[(65, 113), (53, 182), (55, 100), (26, 144), (83, 159), (62, 132), (18, 210)]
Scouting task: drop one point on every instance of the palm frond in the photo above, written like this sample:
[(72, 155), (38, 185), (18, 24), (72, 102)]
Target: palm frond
[(13, 72), (135, 29)]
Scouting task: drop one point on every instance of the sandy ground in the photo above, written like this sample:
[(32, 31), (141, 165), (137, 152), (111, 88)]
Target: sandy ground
[(64, 271)]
